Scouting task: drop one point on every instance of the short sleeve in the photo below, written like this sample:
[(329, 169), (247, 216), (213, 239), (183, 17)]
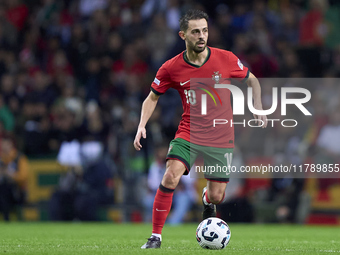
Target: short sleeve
[(162, 81), (237, 69)]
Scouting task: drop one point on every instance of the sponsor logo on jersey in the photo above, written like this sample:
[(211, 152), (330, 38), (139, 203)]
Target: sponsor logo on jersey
[(157, 81), (216, 77), (182, 83), (240, 64)]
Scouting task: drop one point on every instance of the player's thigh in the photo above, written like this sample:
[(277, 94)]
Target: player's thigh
[(173, 173), (180, 158), (184, 152), (217, 162)]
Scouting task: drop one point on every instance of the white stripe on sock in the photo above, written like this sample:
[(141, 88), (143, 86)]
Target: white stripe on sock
[(157, 235)]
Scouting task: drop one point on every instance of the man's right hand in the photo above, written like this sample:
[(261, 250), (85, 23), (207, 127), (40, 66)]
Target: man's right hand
[(140, 132)]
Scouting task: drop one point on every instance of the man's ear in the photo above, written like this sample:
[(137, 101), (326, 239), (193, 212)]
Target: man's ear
[(182, 35)]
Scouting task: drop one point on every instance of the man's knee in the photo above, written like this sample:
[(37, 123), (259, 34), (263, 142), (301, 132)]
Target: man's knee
[(170, 179), (173, 173)]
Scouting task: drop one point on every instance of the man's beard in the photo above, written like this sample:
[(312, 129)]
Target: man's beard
[(197, 49)]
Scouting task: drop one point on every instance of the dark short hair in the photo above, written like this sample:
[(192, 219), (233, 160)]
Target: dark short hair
[(191, 15)]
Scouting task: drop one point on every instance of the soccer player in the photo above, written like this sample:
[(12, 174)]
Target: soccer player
[(196, 133)]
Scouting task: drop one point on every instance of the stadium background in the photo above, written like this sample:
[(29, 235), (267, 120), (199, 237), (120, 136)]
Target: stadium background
[(79, 70)]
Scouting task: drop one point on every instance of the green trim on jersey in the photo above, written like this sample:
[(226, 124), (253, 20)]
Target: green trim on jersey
[(197, 66), (214, 158)]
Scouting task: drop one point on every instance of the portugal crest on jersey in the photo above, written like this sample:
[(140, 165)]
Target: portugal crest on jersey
[(216, 77)]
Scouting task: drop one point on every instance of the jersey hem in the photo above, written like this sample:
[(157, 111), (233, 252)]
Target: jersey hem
[(175, 157), (220, 180), (247, 77)]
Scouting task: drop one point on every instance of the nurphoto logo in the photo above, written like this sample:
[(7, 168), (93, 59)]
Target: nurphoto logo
[(238, 105)]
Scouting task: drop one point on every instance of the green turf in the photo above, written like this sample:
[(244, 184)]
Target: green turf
[(107, 238)]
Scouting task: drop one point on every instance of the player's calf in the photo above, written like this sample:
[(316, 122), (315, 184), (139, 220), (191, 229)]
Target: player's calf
[(215, 197)]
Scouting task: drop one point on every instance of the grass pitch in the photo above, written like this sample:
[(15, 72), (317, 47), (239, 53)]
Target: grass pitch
[(108, 238)]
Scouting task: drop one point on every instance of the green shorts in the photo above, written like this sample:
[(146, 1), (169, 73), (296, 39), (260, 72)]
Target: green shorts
[(216, 160)]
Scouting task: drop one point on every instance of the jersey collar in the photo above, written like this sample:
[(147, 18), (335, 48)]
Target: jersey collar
[(197, 66)]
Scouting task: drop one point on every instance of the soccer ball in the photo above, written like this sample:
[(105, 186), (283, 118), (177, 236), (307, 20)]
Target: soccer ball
[(213, 233)]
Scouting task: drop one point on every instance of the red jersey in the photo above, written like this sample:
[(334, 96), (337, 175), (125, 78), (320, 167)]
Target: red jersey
[(195, 83)]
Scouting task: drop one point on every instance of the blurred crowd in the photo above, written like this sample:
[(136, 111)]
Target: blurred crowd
[(80, 69)]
